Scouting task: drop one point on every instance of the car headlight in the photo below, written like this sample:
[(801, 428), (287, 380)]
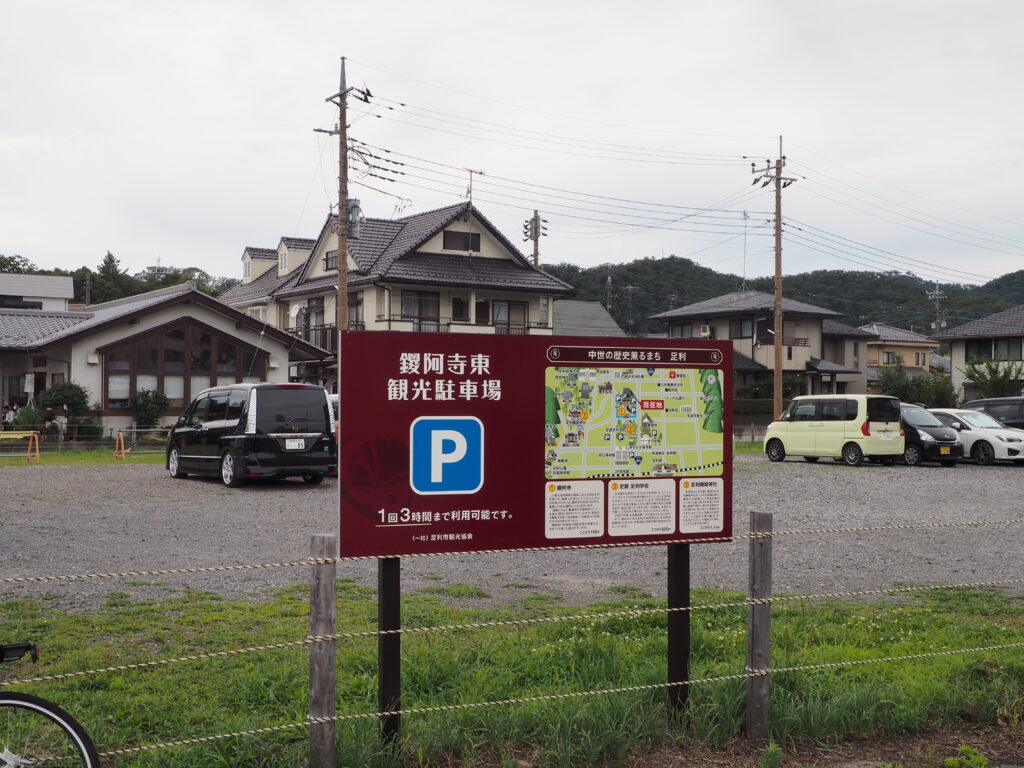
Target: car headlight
[(1006, 439), (926, 438)]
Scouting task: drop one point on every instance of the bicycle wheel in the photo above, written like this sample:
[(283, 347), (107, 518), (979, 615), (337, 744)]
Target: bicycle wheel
[(35, 732)]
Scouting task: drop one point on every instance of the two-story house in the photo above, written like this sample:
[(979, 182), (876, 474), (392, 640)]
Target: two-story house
[(891, 344), (747, 319), (443, 271), (996, 337)]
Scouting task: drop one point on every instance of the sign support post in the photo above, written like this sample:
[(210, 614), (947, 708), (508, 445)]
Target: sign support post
[(678, 625), (389, 646)]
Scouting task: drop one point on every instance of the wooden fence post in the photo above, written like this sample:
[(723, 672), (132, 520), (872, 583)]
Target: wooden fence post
[(759, 626), (323, 611)]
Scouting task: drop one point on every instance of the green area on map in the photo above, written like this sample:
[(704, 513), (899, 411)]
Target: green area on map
[(632, 422)]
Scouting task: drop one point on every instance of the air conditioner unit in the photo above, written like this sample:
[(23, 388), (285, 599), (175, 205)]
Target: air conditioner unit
[(705, 331)]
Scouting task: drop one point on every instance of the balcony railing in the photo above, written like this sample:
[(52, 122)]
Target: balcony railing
[(450, 325), (323, 336)]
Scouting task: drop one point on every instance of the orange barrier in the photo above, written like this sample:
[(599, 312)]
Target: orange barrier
[(33, 443), (119, 451)]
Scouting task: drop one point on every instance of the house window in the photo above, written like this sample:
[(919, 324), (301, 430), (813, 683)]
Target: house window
[(681, 331), (461, 241), (460, 309), (331, 260), (423, 308), (741, 329), (282, 262), (257, 313), (544, 303), (246, 268), (355, 311), (179, 362), (483, 312), (888, 358), (509, 316), (1008, 349), (56, 378), (980, 349)]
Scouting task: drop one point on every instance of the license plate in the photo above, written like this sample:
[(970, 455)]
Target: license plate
[(885, 435), (294, 444), (944, 450)]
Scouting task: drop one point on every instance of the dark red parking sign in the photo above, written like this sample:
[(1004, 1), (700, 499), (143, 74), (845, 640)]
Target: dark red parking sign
[(463, 442)]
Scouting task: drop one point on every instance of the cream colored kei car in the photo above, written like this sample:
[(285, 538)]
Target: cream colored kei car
[(847, 428)]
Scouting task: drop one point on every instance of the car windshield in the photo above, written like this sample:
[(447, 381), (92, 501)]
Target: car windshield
[(980, 420), (919, 417)]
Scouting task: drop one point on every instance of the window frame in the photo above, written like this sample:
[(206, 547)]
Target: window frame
[(192, 328), (471, 239)]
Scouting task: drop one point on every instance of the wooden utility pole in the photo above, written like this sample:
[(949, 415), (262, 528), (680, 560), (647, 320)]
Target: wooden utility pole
[(341, 100), (781, 182)]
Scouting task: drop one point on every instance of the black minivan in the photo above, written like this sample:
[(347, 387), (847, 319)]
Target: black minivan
[(245, 431), (925, 438)]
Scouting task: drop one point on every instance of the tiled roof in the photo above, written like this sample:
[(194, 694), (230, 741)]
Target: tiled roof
[(891, 333), (1009, 322), (468, 271), (21, 328), (584, 318), (316, 285), (741, 362), (743, 302), (260, 288), (299, 243), (831, 327), (265, 254), (827, 366)]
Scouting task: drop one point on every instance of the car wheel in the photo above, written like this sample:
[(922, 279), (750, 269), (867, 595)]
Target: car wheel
[(811, 459), (948, 463), (775, 450), (983, 454), (912, 455), (174, 465), (853, 456), (229, 471), (887, 461), (312, 479)]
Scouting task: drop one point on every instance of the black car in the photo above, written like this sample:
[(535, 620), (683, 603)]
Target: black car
[(925, 438), (1009, 410), (244, 431)]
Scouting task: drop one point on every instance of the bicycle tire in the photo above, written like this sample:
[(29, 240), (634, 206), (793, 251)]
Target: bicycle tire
[(35, 732)]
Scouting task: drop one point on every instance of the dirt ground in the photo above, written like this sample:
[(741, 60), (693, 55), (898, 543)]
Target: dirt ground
[(1004, 748)]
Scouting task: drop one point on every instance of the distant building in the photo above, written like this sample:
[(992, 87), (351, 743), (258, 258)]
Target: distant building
[(154, 273)]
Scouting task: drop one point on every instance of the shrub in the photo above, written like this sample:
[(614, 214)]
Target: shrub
[(148, 406), (73, 398), (29, 418)]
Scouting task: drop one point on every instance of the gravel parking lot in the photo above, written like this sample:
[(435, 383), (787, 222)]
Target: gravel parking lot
[(78, 520)]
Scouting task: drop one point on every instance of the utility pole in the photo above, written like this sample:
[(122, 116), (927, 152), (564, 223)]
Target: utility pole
[(341, 100), (534, 229), (940, 311), (781, 182)]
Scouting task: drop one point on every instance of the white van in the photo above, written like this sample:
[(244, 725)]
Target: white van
[(848, 428)]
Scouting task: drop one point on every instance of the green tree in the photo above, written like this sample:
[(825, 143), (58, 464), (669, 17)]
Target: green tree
[(16, 265), (551, 409), (932, 391), (111, 282), (994, 378), (73, 398)]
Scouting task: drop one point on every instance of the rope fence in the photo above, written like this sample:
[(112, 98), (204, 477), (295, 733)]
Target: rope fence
[(753, 670), (628, 613), (553, 697)]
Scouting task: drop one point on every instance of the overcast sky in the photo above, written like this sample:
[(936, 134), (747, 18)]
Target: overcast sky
[(183, 132)]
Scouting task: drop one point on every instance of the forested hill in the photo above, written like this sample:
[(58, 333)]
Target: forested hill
[(647, 287)]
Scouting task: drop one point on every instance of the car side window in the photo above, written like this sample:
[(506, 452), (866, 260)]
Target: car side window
[(805, 410), (198, 413), (1002, 411), (236, 403), (851, 410), (218, 408), (833, 410)]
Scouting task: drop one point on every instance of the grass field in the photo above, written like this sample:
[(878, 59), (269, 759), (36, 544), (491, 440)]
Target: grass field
[(129, 708)]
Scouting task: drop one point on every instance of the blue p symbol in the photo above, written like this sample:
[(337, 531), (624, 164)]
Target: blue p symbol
[(446, 455)]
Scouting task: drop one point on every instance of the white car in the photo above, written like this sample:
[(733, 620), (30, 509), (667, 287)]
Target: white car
[(985, 439)]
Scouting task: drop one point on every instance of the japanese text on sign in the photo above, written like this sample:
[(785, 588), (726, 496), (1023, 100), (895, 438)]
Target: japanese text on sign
[(421, 365)]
